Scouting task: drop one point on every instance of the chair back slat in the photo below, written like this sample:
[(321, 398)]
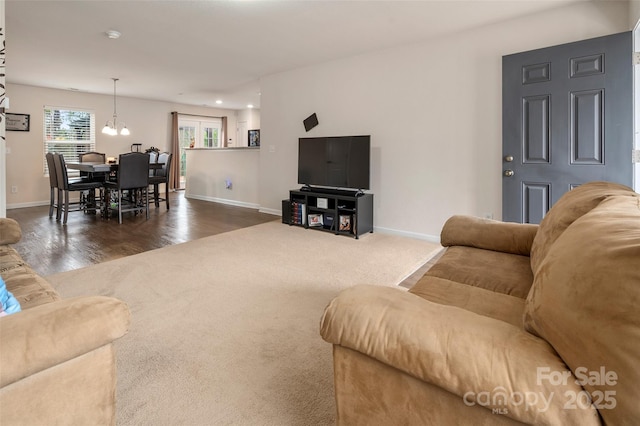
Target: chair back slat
[(153, 158), (61, 171)]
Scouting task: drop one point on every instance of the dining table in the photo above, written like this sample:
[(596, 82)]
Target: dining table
[(98, 167), (93, 167)]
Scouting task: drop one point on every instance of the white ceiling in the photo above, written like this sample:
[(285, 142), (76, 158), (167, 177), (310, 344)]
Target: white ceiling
[(195, 52)]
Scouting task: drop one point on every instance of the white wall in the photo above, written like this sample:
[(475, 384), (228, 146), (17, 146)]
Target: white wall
[(209, 169), (433, 110), (634, 13), (148, 121)]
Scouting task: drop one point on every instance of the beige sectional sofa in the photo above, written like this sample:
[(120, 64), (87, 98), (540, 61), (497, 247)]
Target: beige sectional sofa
[(515, 324), (57, 360)]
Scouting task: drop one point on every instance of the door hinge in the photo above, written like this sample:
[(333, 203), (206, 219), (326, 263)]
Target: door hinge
[(635, 157), (636, 58)]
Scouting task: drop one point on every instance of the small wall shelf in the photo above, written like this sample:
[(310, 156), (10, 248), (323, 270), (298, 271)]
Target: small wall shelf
[(337, 211)]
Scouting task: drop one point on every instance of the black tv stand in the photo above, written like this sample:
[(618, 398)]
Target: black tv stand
[(341, 211)]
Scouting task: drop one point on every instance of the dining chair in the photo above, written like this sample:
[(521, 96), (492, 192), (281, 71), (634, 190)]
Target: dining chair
[(53, 184), (93, 157), (66, 185), (160, 176), (131, 185)]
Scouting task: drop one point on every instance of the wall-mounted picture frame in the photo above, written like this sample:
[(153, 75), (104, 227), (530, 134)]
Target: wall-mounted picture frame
[(17, 122), (254, 137)]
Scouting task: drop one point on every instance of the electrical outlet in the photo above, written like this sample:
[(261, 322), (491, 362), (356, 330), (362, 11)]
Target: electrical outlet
[(14, 189)]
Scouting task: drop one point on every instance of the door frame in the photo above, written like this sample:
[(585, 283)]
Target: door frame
[(636, 106)]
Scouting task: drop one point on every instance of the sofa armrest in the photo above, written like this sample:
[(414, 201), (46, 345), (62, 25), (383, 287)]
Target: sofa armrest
[(472, 356), (47, 335), (10, 232), (488, 234)]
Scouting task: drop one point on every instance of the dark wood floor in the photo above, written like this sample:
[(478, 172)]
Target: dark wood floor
[(50, 247)]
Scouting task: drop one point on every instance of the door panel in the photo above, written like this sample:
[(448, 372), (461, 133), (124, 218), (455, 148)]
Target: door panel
[(535, 201), (567, 119), (536, 132)]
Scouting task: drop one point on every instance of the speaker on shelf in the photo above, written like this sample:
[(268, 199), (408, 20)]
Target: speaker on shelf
[(286, 212), (310, 122)]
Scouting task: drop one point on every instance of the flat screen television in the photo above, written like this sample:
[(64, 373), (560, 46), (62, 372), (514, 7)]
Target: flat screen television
[(335, 161)]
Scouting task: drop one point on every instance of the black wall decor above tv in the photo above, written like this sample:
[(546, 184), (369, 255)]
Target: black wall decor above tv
[(334, 161)]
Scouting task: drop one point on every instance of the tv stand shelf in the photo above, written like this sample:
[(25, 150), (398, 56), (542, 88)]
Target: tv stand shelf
[(342, 212)]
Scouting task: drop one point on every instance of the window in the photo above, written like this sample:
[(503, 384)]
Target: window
[(69, 132), (211, 136)]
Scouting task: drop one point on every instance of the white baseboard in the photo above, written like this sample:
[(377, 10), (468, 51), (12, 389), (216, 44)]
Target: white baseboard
[(274, 212), (223, 201), (29, 204), (427, 237)]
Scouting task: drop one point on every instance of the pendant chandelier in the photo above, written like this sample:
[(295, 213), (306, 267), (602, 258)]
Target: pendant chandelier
[(111, 128)]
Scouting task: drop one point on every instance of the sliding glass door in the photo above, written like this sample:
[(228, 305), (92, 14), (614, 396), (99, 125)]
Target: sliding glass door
[(197, 133)]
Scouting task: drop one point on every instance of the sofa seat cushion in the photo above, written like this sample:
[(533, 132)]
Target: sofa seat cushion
[(23, 282), (492, 270), (475, 299), (457, 350), (585, 301)]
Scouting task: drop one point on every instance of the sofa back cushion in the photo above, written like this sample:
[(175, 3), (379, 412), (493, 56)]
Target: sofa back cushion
[(585, 301), (570, 207)]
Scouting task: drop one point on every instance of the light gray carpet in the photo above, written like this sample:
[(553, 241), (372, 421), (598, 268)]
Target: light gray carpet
[(225, 329)]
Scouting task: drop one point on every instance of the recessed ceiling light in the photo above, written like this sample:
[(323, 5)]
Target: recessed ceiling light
[(218, 101), (250, 106), (113, 34)]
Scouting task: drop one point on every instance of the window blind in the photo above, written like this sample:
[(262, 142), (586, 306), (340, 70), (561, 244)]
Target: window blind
[(69, 132)]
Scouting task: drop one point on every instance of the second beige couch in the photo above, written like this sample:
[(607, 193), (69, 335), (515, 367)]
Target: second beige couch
[(515, 324)]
